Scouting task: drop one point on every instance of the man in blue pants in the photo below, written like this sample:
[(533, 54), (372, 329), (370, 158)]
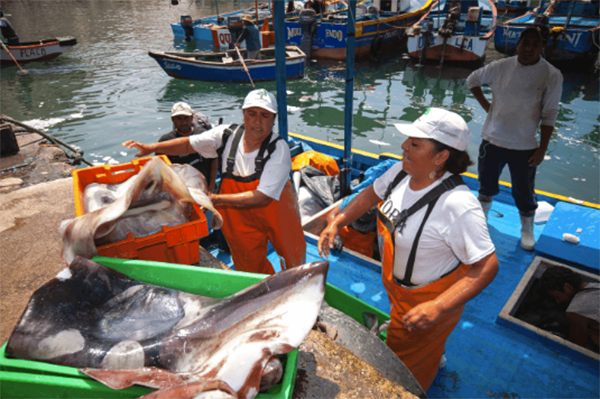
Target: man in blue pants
[(526, 92)]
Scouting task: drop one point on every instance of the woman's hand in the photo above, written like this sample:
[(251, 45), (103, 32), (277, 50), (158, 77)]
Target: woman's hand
[(326, 239), (145, 149), (422, 316)]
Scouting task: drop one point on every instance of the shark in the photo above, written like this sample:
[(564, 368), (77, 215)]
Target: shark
[(122, 332)]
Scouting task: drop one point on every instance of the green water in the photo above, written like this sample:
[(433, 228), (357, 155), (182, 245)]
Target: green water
[(107, 89)]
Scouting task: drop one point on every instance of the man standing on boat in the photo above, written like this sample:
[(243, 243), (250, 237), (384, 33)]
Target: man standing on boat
[(526, 91), (186, 122), (251, 35), (8, 32), (255, 197)]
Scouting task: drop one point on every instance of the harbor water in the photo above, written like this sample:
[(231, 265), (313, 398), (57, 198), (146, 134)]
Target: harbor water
[(107, 89)]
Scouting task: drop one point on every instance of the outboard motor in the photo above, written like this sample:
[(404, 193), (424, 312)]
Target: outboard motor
[(235, 26), (308, 24), (188, 27), (427, 33), (449, 25)]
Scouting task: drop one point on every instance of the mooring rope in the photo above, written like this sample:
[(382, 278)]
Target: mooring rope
[(76, 154)]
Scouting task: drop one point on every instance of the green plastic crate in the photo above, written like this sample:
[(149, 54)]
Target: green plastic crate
[(31, 379)]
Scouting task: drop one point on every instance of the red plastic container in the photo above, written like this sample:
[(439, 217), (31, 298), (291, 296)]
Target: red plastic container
[(179, 244)]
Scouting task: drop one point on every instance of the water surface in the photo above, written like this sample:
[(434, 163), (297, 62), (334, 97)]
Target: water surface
[(107, 89)]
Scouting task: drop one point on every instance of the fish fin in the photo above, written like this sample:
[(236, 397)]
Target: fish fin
[(193, 390), (151, 377)]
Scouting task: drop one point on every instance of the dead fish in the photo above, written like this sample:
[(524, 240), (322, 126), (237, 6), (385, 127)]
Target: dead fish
[(379, 142), (124, 332), (155, 179)]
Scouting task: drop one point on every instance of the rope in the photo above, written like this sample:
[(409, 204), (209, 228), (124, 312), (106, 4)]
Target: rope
[(76, 154), (19, 165)]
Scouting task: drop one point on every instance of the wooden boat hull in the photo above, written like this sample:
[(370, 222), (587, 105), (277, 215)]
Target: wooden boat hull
[(458, 48), (43, 50), (469, 41), (186, 66), (372, 36)]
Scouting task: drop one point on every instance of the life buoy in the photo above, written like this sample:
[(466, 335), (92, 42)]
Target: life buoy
[(377, 46)]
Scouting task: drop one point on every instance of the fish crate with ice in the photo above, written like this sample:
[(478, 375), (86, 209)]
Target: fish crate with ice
[(177, 244), (21, 378)]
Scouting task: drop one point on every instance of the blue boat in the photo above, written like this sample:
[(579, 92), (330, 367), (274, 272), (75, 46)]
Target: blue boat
[(574, 31), (226, 66), (379, 26), (513, 6), (200, 29)]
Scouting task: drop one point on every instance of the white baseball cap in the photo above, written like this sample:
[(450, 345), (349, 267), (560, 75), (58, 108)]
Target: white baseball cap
[(181, 109), (440, 125), (262, 99)]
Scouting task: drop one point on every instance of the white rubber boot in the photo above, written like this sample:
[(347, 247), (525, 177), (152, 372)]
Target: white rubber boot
[(527, 240), (486, 208)]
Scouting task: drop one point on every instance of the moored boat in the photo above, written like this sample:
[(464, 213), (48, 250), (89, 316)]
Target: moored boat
[(574, 31), (379, 26), (454, 31), (513, 6), (226, 66), (41, 50)]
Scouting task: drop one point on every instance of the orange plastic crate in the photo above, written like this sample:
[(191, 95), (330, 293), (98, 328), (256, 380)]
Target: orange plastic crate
[(179, 244)]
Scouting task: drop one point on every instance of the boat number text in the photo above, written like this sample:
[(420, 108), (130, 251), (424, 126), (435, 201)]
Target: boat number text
[(293, 32), (169, 65), (336, 34), (33, 52), (572, 38), (224, 38)]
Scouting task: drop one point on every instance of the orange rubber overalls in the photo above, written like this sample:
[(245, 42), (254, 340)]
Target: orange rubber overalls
[(420, 351), (248, 230)]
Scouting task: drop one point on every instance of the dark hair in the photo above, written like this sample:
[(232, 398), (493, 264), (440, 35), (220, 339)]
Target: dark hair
[(555, 277), (542, 31), (457, 162)]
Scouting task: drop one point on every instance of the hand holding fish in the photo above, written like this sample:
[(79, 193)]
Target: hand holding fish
[(145, 149)]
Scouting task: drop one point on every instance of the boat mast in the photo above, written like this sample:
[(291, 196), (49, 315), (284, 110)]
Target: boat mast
[(278, 18), (348, 108), (256, 10)]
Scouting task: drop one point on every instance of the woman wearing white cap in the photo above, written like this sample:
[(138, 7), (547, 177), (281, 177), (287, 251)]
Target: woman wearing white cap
[(434, 243), (255, 197)]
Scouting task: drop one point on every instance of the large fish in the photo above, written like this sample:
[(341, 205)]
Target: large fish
[(158, 195), (124, 332)]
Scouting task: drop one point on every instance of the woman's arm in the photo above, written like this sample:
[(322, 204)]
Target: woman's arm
[(248, 199), (479, 276), (214, 168), (180, 146), (359, 205)]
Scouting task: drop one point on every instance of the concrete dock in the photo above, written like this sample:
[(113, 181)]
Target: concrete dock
[(36, 194)]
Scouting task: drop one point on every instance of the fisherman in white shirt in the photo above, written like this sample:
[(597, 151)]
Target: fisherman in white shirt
[(526, 92)]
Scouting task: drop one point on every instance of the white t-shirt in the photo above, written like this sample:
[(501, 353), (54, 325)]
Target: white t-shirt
[(455, 230), (522, 97), (276, 172)]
